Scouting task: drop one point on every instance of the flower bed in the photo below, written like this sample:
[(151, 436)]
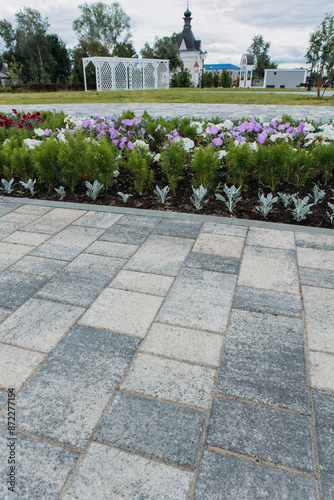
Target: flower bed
[(278, 170)]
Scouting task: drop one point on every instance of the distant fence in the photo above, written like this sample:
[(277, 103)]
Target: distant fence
[(120, 73)]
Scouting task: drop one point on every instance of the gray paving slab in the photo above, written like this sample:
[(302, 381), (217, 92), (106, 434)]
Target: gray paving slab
[(3, 398), (17, 365), (41, 468), (253, 299), (38, 265), (4, 313), (5, 208), (316, 277), (319, 315), (181, 228), (16, 288), (324, 430), (232, 478), (66, 397), (161, 430), (212, 263)]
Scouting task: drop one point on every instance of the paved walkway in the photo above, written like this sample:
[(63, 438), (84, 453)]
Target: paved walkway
[(233, 111), (165, 356)]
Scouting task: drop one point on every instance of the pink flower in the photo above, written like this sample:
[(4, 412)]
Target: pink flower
[(131, 146), (217, 141)]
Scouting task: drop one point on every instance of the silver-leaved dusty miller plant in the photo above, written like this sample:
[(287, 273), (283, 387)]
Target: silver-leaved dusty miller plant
[(286, 199), (318, 194), (161, 194), (124, 196), (331, 215), (302, 208), (266, 204), (29, 185), (93, 190), (233, 196), (7, 186), (61, 192), (197, 198)]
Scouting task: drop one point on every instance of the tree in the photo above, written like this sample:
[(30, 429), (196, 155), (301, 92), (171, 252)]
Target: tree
[(321, 52), (124, 49), (106, 24), (181, 78), (225, 79), (164, 48), (59, 65), (259, 48)]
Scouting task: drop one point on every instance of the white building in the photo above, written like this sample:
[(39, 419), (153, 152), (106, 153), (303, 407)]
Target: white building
[(191, 52), (246, 70), (284, 78)]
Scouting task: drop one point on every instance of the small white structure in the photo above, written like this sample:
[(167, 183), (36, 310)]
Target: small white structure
[(4, 78), (246, 70), (121, 73), (284, 78)]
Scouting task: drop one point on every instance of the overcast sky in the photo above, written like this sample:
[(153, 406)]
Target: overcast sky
[(226, 27)]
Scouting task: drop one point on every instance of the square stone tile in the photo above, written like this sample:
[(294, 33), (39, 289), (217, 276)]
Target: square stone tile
[(10, 253), (316, 277), (54, 221), (199, 299), (68, 243), (162, 430), (39, 324), (19, 219), (16, 365), (273, 435), (156, 284), (219, 244), (131, 229), (170, 380), (323, 405), (110, 249), (264, 361), (123, 312), (315, 241), (38, 265), (82, 280), (117, 474), (139, 221), (271, 238), (16, 288), (43, 467), (4, 313), (66, 397), (253, 299), (212, 263), (227, 229), (183, 344), (269, 268), (319, 316), (161, 255), (227, 477), (7, 228), (322, 371), (178, 227), (315, 258), (33, 210), (97, 219), (7, 207), (26, 238)]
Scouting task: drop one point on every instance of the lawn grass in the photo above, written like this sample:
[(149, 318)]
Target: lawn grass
[(191, 95)]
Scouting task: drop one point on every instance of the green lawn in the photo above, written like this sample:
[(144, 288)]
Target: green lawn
[(191, 95)]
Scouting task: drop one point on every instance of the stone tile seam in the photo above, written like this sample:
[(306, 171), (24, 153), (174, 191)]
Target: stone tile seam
[(205, 426), (199, 330), (172, 215), (186, 361), (259, 311), (308, 377), (163, 400), (322, 352), (23, 348)]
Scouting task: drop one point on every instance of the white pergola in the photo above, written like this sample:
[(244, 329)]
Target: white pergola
[(121, 73)]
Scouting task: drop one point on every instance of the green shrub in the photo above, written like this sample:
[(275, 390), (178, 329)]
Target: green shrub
[(173, 163), (240, 161), (323, 157), (104, 161), (47, 162), (139, 161), (204, 164), (23, 164), (271, 163), (299, 168), (75, 160)]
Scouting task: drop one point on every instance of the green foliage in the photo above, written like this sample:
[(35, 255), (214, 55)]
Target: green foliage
[(47, 162), (173, 163), (164, 48), (205, 164), (225, 79), (272, 163), (240, 161), (181, 78), (260, 49), (206, 79), (75, 160), (139, 161), (323, 157), (52, 120), (215, 80), (299, 168), (104, 161)]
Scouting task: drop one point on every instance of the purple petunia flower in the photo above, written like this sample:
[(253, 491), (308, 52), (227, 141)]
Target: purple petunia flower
[(150, 137), (159, 126), (217, 141), (131, 146), (213, 130), (47, 132), (86, 123)]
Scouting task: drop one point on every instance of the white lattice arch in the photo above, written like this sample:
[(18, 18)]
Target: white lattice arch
[(121, 73)]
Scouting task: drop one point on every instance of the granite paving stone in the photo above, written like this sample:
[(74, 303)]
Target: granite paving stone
[(68, 243), (123, 311), (42, 470), (315, 258), (269, 268), (110, 249), (6, 208), (323, 404), (16, 365), (10, 253), (19, 219), (4, 313), (212, 263), (7, 228), (322, 371), (131, 229), (184, 344), (38, 265), (99, 220), (162, 430), (16, 288), (39, 324), (232, 478), (27, 238), (33, 210), (139, 221), (271, 238), (277, 436), (219, 244), (227, 229), (54, 221), (199, 299), (3, 399), (66, 397), (315, 241), (264, 361), (319, 315), (116, 474), (82, 280), (316, 277), (170, 380), (254, 299), (156, 284), (178, 227)]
